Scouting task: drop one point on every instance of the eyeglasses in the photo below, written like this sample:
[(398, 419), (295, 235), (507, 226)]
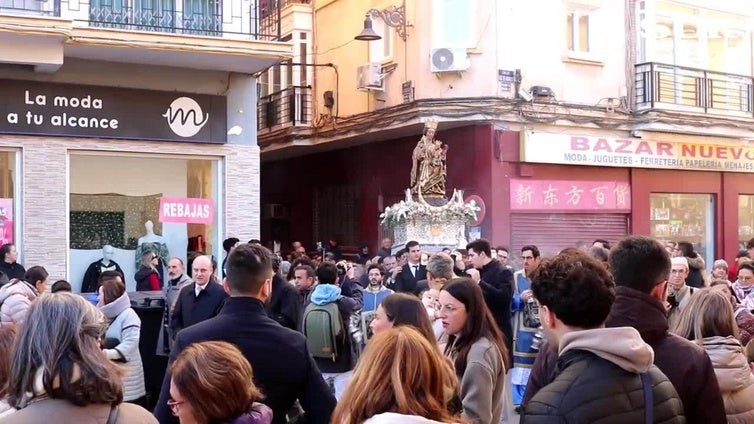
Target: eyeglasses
[(155, 257), (449, 309), (175, 406)]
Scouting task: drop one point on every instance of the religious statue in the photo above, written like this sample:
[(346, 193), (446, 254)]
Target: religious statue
[(428, 170)]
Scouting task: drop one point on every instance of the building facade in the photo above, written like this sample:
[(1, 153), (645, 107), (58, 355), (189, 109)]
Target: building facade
[(594, 119), (130, 125)]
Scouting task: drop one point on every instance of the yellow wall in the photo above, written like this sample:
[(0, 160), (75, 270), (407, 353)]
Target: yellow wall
[(505, 35)]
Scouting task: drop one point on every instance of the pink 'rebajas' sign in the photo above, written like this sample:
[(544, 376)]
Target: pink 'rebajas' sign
[(6, 221), (187, 210)]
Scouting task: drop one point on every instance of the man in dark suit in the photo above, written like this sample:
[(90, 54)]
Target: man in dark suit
[(283, 367), (412, 272), (496, 282), (285, 305), (198, 301)]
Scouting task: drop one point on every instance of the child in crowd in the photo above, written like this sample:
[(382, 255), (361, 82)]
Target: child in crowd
[(430, 299)]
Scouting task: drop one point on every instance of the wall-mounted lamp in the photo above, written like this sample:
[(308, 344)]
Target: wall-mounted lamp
[(393, 16)]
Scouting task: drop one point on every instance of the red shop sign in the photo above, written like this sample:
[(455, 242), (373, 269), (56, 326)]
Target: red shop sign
[(569, 195), (187, 210)]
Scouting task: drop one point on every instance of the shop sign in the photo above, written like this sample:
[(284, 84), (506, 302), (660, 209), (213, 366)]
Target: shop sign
[(40, 108), (569, 195), (569, 149), (187, 210), (6, 221)]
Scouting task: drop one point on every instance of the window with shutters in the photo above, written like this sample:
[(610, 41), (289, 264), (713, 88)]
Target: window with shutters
[(336, 214)]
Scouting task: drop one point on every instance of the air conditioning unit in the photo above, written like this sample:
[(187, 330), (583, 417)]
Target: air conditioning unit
[(369, 77), (449, 60), (275, 211)]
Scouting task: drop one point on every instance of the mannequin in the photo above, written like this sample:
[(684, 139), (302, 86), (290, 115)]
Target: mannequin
[(95, 269), (155, 243)]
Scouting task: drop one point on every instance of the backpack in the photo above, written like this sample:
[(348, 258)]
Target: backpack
[(323, 327)]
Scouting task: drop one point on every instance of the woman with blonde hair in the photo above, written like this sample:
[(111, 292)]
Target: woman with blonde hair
[(708, 320), (58, 372), (412, 390), (212, 383), (147, 278)]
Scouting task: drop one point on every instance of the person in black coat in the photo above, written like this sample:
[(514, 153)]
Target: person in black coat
[(413, 272), (496, 282), (640, 268), (599, 381), (283, 367), (8, 264), (285, 305), (198, 301)]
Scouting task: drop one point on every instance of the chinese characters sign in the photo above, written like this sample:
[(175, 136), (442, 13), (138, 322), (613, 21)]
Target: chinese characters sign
[(569, 195), (571, 149)]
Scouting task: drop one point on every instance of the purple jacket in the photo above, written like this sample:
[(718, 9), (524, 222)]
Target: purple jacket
[(257, 414)]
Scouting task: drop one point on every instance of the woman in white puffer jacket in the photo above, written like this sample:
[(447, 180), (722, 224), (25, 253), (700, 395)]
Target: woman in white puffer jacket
[(708, 320), (17, 295), (121, 340)]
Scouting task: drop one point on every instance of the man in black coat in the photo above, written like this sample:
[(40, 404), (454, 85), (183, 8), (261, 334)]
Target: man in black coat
[(496, 282), (412, 272), (198, 301), (640, 267), (285, 305), (606, 374), (283, 368)]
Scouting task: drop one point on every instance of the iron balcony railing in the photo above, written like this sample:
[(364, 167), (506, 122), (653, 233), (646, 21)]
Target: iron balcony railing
[(670, 87), (290, 106), (238, 19)]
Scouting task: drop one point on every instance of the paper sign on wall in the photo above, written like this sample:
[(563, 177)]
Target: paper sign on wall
[(187, 210), (6, 221)]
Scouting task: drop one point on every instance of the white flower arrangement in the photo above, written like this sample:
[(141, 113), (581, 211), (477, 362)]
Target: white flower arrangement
[(455, 209)]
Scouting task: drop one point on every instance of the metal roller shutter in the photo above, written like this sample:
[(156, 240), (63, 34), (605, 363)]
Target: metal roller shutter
[(552, 232)]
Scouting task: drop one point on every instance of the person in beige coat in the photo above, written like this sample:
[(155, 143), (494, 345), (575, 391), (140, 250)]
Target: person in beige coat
[(58, 372), (475, 344), (708, 320)]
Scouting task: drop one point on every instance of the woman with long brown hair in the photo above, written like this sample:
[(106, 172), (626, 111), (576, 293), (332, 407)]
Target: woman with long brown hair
[(412, 390), (399, 309), (708, 320), (475, 344), (58, 371)]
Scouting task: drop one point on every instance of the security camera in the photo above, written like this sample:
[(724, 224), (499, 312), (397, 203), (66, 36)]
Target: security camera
[(524, 94)]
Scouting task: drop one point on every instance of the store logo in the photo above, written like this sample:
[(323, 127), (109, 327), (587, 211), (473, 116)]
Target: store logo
[(185, 117)]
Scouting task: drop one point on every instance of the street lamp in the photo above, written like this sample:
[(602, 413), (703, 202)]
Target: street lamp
[(393, 16)]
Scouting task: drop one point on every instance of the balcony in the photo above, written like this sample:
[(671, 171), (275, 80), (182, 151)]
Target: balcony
[(237, 19), (677, 88), (288, 107)]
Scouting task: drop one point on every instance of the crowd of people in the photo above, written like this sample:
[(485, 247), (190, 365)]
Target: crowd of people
[(636, 332)]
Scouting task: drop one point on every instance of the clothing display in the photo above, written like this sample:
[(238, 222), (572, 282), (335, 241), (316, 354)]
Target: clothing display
[(93, 272)]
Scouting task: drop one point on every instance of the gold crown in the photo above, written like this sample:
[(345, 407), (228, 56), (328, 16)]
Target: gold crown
[(431, 124)]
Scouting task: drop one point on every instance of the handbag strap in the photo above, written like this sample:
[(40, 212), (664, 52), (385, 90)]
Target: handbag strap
[(648, 398), (113, 417)]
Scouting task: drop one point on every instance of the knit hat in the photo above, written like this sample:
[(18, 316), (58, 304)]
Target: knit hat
[(720, 263)]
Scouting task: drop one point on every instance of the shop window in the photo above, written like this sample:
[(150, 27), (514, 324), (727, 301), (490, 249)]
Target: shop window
[(9, 206), (685, 217), (116, 201), (745, 219)]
